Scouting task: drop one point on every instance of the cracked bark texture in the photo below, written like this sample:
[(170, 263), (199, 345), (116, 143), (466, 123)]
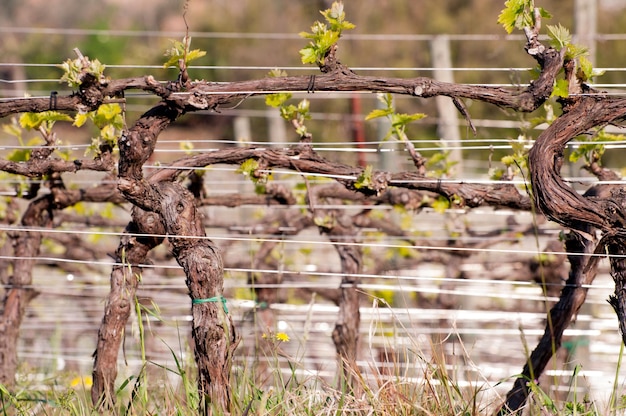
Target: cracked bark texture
[(616, 248), (348, 325), (18, 290), (131, 253), (39, 215), (213, 333), (573, 295)]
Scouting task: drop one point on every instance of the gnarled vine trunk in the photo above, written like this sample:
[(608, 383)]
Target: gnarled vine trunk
[(583, 214), (18, 290), (573, 295), (131, 253), (213, 332), (348, 325)]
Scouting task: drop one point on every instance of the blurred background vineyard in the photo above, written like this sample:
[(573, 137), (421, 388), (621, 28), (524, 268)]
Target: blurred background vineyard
[(481, 317)]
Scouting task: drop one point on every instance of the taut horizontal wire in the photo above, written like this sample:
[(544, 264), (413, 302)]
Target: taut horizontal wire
[(281, 36), (24, 81), (290, 240), (246, 35), (401, 285), (355, 149), (424, 180), (288, 68)]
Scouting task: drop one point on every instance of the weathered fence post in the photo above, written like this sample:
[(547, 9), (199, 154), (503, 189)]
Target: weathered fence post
[(448, 126), (586, 25)]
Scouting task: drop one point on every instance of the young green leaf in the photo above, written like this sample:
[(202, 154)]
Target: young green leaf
[(387, 100), (441, 204), (575, 51), (109, 134), (108, 114), (586, 70), (336, 17), (560, 36), (81, 118), (248, 167), (23, 154), (276, 100), (194, 54), (181, 50), (496, 174), (436, 158), (327, 221), (308, 55), (398, 120), (12, 129), (324, 35), (365, 179), (277, 73), (439, 164), (74, 70), (303, 108), (508, 160), (516, 14), (561, 88), (379, 113), (594, 148), (32, 121)]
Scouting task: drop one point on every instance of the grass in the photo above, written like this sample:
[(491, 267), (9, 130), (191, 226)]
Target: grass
[(434, 394), (412, 382)]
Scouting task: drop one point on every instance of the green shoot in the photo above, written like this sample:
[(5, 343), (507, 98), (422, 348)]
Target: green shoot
[(296, 114), (365, 179), (592, 150), (399, 123), (586, 71), (181, 50), (324, 35), (109, 119), (561, 88), (75, 70), (250, 169), (44, 120), (518, 14), (560, 37), (514, 162)]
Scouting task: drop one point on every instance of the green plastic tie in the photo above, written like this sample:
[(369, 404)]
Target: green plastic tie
[(213, 299)]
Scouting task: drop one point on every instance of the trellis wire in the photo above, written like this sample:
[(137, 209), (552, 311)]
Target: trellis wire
[(280, 36), (255, 239)]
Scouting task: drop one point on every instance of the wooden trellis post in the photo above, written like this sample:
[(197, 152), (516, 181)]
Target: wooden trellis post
[(448, 126)]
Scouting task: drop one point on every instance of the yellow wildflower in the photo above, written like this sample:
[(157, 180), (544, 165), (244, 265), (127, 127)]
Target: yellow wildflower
[(281, 336), (84, 381)]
